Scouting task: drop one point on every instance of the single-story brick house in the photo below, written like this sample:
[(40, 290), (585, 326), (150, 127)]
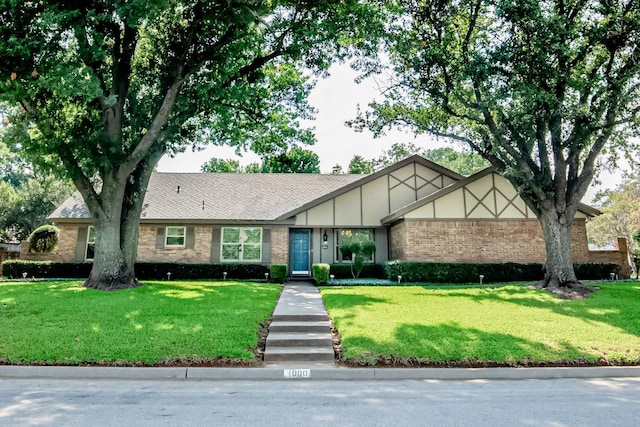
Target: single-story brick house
[(414, 210)]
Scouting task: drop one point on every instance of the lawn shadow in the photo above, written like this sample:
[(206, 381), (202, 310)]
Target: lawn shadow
[(346, 301), (616, 304), (452, 342)]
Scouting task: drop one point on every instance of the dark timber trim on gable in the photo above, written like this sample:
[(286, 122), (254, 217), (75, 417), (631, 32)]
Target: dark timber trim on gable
[(368, 178)]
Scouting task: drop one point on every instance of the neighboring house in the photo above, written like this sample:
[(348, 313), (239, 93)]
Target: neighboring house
[(414, 210)]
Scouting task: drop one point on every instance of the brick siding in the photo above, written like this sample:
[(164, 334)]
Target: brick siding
[(280, 245), (486, 241), (199, 254)]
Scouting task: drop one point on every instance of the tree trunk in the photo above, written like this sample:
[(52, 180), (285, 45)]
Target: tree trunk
[(117, 227), (110, 270), (560, 277)]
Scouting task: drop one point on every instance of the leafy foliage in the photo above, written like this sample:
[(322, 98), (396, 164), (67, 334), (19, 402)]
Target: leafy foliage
[(443, 272), (296, 160), (321, 273), (145, 270), (620, 214), (359, 252), (101, 90), (44, 239), (538, 88), (343, 271), (278, 272), (215, 165), (464, 163), (27, 196)]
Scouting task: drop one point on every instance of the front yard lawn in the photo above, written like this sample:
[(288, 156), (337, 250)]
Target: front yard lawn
[(159, 323), (509, 325)]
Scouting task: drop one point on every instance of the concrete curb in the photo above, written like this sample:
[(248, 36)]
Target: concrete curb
[(300, 373)]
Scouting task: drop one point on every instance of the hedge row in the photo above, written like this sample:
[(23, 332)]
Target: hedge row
[(343, 271), (433, 272), (410, 271), (144, 270)]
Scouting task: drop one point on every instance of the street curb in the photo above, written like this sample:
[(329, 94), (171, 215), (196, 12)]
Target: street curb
[(300, 373)]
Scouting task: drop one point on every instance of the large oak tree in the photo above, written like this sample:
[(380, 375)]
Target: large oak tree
[(539, 88), (106, 88)]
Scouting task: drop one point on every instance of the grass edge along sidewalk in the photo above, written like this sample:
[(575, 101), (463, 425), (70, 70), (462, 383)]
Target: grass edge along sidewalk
[(504, 325)]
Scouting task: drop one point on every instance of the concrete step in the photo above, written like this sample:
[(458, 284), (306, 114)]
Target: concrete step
[(299, 354), (298, 339), (303, 326), (300, 317)]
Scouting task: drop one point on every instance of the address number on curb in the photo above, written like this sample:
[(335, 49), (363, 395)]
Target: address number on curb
[(297, 373)]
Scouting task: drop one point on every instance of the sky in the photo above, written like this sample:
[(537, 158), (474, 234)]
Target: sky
[(336, 99)]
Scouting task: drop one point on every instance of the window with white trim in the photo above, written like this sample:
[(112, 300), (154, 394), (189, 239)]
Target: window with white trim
[(174, 237), (90, 248), (351, 235), (241, 244)]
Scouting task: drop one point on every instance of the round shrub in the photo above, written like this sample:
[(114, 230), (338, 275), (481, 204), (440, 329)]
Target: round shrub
[(44, 239)]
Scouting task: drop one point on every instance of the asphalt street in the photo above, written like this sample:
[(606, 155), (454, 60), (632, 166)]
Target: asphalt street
[(300, 402)]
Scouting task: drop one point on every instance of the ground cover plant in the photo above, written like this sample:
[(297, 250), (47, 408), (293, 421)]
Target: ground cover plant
[(485, 326), (169, 322)]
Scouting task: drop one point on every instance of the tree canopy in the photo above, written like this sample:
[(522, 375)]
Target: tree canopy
[(27, 197), (620, 217), (539, 88), (102, 89), (464, 163), (296, 160)]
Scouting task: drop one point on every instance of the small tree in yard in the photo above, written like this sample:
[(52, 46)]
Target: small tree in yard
[(44, 239), (538, 88), (99, 91), (359, 252)]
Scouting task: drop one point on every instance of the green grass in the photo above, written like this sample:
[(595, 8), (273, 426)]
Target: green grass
[(504, 324), (61, 322)]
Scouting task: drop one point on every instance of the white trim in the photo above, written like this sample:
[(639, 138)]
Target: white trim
[(90, 231), (242, 243), (166, 236)]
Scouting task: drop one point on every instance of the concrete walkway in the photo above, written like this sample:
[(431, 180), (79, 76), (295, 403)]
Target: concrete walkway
[(299, 333)]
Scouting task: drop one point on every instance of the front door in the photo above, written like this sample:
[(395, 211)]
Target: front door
[(300, 250)]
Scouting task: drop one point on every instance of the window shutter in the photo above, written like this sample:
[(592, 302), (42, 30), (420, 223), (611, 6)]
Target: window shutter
[(215, 245), (81, 244), (266, 245), (190, 238), (160, 238)]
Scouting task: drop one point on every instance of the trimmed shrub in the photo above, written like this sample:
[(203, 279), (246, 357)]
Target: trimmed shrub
[(343, 271), (321, 273), (44, 239), (144, 270), (464, 272), (15, 268), (278, 272), (159, 270), (435, 272), (592, 271)]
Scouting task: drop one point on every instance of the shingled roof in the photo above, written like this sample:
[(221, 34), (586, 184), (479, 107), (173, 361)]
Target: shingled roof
[(222, 196)]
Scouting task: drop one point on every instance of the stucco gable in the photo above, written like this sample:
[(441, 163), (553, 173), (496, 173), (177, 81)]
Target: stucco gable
[(484, 195), (364, 202)]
